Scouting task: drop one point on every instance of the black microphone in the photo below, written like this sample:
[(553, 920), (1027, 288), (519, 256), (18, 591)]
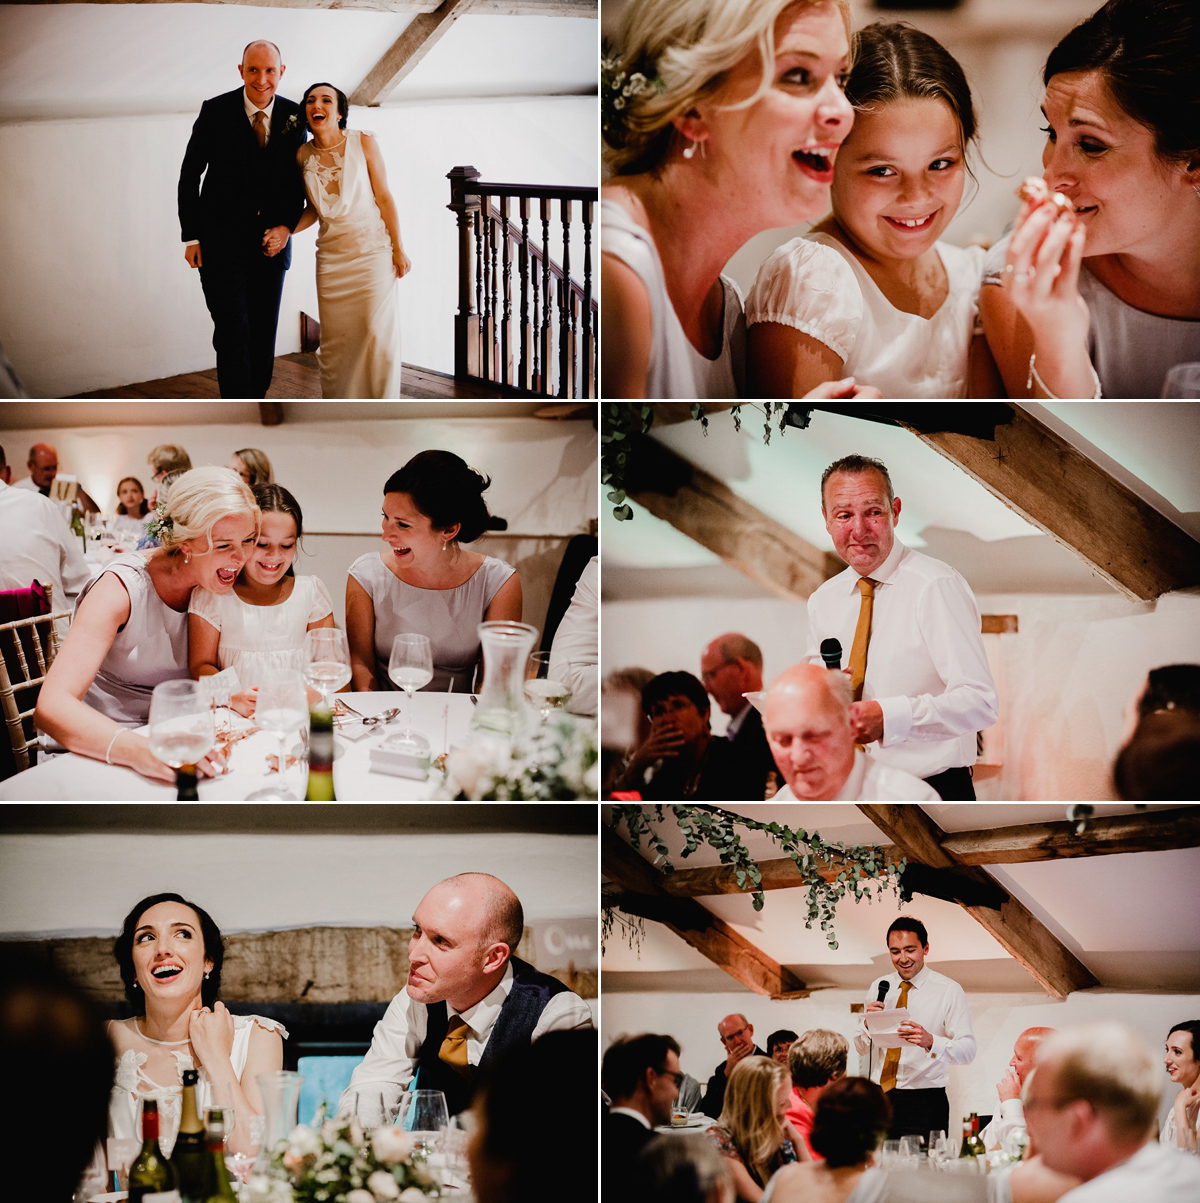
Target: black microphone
[(884, 987), (831, 653)]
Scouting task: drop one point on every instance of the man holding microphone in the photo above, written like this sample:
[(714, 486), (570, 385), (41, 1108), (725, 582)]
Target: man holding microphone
[(936, 1035)]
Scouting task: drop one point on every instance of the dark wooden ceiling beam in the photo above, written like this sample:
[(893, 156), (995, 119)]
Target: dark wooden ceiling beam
[(710, 512), (1041, 476), (715, 939), (421, 34), (270, 413), (1014, 927), (501, 8)]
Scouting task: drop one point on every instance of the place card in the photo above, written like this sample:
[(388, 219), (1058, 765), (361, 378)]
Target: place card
[(399, 764)]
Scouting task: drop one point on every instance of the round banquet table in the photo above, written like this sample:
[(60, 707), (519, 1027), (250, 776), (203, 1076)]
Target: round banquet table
[(443, 718)]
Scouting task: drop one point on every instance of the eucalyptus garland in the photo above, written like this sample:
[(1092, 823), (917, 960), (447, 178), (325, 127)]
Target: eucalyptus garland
[(622, 421), (862, 869)]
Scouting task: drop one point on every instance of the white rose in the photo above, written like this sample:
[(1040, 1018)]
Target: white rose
[(303, 1141), (360, 1196), (383, 1185), (392, 1145)]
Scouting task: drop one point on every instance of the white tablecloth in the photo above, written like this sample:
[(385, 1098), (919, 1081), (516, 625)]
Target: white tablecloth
[(71, 778)]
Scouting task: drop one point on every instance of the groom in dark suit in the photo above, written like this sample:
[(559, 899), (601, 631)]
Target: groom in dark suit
[(236, 228)]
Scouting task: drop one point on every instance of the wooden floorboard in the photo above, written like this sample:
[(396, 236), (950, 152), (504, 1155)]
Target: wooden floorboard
[(296, 376)]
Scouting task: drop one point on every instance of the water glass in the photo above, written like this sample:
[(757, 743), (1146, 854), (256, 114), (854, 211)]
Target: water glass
[(282, 708), (410, 667), (424, 1114), (937, 1150), (181, 726), (326, 661), (370, 1109), (891, 1154), (542, 691), (910, 1150)]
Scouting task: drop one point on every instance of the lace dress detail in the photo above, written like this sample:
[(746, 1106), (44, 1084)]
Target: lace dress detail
[(329, 175)]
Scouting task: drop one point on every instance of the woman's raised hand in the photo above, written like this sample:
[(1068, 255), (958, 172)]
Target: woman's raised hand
[(211, 1034)]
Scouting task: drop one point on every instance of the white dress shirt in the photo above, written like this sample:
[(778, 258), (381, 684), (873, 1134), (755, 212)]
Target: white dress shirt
[(870, 781), (1154, 1174), (1010, 1117), (390, 1062), (940, 1007), (926, 665), (735, 724), (575, 652), (252, 109), (37, 544)]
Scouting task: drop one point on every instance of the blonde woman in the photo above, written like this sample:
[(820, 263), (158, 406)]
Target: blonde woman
[(753, 1132), (722, 118), (130, 627), (252, 466)]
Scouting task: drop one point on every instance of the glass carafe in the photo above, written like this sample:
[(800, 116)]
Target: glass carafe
[(281, 1098), (501, 708)]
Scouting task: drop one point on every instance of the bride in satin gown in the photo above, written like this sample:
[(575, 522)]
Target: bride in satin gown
[(359, 253)]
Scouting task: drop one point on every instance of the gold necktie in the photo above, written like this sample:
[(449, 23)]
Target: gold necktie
[(862, 636), (454, 1047), (887, 1079), (260, 127)]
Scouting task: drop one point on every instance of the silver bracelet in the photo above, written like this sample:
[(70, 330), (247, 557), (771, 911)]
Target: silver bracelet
[(108, 754), (1033, 375)]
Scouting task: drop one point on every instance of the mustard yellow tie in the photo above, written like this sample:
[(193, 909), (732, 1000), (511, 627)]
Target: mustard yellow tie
[(887, 1079), (260, 127), (454, 1047), (862, 636)]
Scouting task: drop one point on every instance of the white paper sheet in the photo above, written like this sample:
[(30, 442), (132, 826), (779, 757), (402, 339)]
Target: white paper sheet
[(884, 1027)]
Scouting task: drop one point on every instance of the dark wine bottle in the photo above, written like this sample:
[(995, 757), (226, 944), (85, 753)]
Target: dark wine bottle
[(219, 1189), (189, 1157), (151, 1176), (185, 784), (320, 756)]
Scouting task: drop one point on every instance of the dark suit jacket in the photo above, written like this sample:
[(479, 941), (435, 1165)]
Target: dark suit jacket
[(714, 1094), (622, 1138), (753, 753), (247, 188)]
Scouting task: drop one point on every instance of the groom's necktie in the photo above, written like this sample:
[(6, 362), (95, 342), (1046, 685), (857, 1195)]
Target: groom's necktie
[(260, 127), (454, 1047), (891, 1063)]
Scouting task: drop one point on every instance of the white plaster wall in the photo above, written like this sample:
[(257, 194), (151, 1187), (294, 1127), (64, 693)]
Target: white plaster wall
[(96, 291), (997, 1020), (1065, 677)]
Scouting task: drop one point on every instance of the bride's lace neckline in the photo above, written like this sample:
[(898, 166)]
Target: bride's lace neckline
[(137, 1027)]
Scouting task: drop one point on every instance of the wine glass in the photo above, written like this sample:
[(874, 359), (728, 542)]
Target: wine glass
[(423, 1114), (327, 661), (181, 728), (542, 691), (282, 708), (410, 667)]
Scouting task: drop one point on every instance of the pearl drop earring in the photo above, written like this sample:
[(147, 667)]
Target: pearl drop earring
[(689, 151)]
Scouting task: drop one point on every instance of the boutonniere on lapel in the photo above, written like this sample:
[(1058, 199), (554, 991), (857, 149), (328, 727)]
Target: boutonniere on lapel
[(292, 123)]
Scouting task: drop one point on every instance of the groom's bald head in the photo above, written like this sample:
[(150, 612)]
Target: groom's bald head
[(261, 70)]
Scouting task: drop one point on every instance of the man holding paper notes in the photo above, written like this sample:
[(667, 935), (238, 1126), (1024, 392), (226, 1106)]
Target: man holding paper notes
[(924, 1015)]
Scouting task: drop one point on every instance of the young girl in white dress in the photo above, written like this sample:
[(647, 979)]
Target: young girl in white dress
[(261, 623), (870, 292)]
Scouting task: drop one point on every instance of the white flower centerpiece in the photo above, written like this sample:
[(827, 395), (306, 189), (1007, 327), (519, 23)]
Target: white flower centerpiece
[(338, 1161)]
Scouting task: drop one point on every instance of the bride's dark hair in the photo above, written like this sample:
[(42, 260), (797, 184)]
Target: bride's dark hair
[(343, 103), (214, 950)]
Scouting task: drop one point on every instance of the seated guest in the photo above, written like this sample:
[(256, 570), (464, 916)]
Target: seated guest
[(424, 581), (817, 1060), (641, 1077), (38, 544), (778, 1044), (1092, 1106), (851, 1120), (681, 759), (753, 1132), (467, 999), (169, 954), (132, 507), (811, 737), (731, 667), (1182, 1126), (130, 628), (1161, 760), (684, 1169), (508, 1167), (165, 458), (737, 1036), (43, 470), (1011, 1115), (252, 466), (51, 1032), (259, 625), (575, 652)]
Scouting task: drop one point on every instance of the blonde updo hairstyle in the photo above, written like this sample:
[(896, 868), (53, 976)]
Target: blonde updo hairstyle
[(198, 500), (688, 47)]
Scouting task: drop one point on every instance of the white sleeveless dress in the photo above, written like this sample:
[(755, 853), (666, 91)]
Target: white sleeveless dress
[(356, 280), (133, 1083)]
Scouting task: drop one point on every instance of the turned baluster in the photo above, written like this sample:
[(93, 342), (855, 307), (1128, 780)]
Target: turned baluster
[(525, 380), (506, 333), (588, 367), (546, 336)]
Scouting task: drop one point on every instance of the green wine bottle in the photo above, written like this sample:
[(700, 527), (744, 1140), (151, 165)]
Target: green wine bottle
[(219, 1189), (320, 756), (185, 784), (966, 1150), (151, 1176), (189, 1157)]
